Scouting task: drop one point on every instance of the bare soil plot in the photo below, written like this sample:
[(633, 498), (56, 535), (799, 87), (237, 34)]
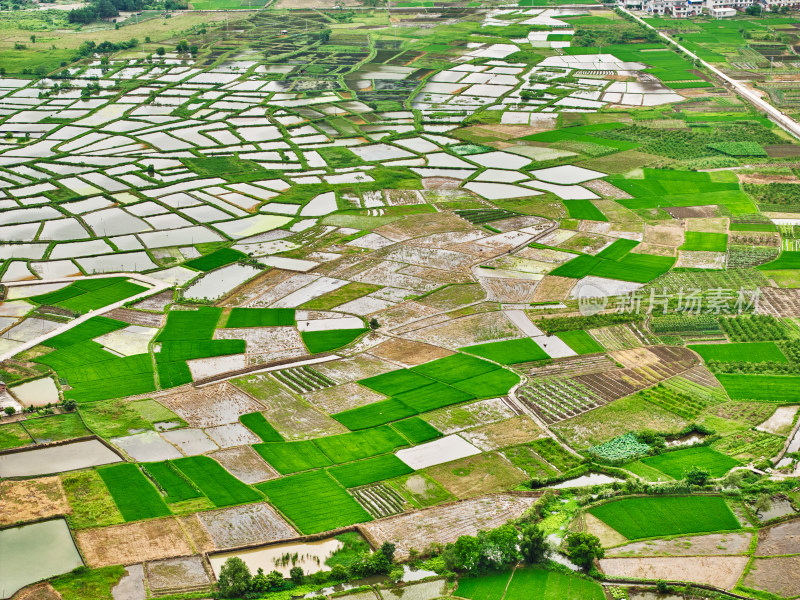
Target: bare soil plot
[(243, 525), (40, 591), (510, 432), (133, 542), (32, 499), (719, 571), (509, 291), (408, 352), (552, 288), (664, 235), (232, 435), (422, 225), (470, 330), (157, 303), (354, 368), (783, 538), (404, 313), (266, 344), (174, 575), (779, 302), (212, 405), (294, 418), (477, 475), (245, 464), (454, 296), (750, 413), (456, 418), (446, 523), (137, 317), (775, 575), (608, 536), (692, 212), (570, 366), (701, 376), (715, 544), (616, 337), (342, 397)]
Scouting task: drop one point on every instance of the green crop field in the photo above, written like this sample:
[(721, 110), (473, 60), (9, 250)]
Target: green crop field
[(291, 457), (396, 382), (90, 294), (617, 249), (755, 352), (453, 368), (258, 424), (219, 258), (529, 583), (486, 587), (489, 385), (325, 341), (638, 518), (370, 470), (639, 268), (134, 494), (186, 325), (222, 488), (509, 352), (705, 242), (766, 388), (377, 413), (92, 328), (676, 463), (438, 395), (314, 502), (580, 341), (174, 485), (584, 209), (261, 317), (356, 445), (416, 431)]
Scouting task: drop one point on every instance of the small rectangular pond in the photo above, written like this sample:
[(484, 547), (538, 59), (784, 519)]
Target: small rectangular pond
[(30, 553), (56, 459)]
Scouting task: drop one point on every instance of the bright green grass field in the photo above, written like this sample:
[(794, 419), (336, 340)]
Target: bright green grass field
[(655, 516), (258, 424), (261, 317), (219, 258), (375, 414), (173, 483), (314, 502), (396, 382), (133, 493), (324, 341), (510, 352), (675, 463), (618, 249), (766, 388), (584, 210), (356, 445), (580, 341), (705, 242), (454, 368), (786, 261), (527, 584), (90, 294), (416, 431), (754, 352), (489, 385), (92, 328), (292, 457), (437, 395), (222, 488), (370, 470), (487, 587), (185, 325)]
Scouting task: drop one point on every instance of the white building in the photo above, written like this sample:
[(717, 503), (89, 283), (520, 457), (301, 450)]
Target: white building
[(677, 9), (720, 13)]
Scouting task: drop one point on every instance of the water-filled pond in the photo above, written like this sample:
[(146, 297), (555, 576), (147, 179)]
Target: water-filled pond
[(56, 459), (33, 552)]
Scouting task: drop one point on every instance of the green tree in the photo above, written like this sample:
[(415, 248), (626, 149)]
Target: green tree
[(338, 573), (9, 410), (533, 545), (234, 578), (583, 548), (161, 51), (499, 547), (33, 38), (296, 575), (696, 476), (464, 555)]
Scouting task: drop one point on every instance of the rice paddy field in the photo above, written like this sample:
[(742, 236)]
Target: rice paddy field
[(270, 271)]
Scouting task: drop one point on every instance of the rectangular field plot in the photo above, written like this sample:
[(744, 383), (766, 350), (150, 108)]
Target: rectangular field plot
[(258, 424), (133, 493), (416, 431), (292, 457), (222, 488), (220, 258), (372, 415), (435, 395), (496, 383), (676, 463), (396, 382), (488, 587), (370, 470), (548, 585), (509, 352), (190, 324), (754, 352), (360, 444), (94, 327), (638, 518), (580, 341), (175, 486), (314, 502), (453, 368), (702, 241), (261, 317), (324, 341), (584, 209), (766, 388), (90, 294), (451, 447)]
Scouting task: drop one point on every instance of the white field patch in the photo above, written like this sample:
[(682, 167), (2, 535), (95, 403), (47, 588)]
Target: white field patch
[(128, 341), (208, 367), (554, 346), (219, 283), (596, 287), (330, 324), (781, 420), (191, 441), (500, 191), (566, 174), (15, 308), (451, 447)]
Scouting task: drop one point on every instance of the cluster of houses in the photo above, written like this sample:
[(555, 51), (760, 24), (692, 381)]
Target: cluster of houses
[(714, 8)]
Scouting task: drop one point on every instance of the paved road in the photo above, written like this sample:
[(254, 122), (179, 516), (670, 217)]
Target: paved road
[(156, 286), (786, 123)]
